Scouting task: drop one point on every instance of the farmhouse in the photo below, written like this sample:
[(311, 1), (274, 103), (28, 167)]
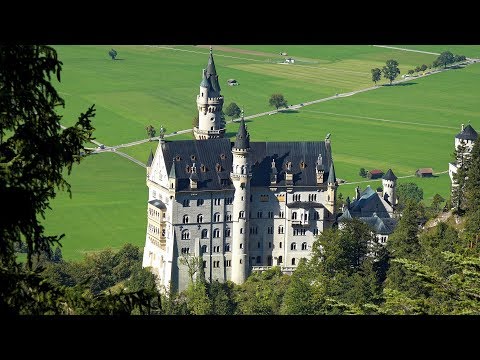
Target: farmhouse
[(424, 172), (375, 174), (239, 206)]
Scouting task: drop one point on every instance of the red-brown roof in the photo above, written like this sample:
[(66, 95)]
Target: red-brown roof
[(376, 171)]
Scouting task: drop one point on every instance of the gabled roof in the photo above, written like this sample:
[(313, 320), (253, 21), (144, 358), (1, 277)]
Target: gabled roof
[(173, 173), (468, 133), (263, 153), (368, 203), (389, 175), (207, 153), (425, 171), (383, 226), (376, 171), (150, 159)]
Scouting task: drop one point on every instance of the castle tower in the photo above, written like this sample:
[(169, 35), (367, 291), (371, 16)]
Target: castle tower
[(209, 103), (240, 176), (149, 163), (389, 182), (331, 190)]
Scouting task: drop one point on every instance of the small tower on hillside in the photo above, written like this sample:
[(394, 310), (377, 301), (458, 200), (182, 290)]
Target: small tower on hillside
[(389, 182), (241, 176), (211, 124)]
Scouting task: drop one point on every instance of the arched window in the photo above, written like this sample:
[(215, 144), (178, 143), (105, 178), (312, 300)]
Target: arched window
[(304, 246), (280, 229), (241, 214), (280, 260), (216, 217), (293, 261), (216, 233), (241, 230), (228, 217), (204, 234), (259, 259), (185, 235), (293, 246), (185, 219), (163, 232), (199, 218), (227, 247), (204, 248), (227, 232), (294, 215)]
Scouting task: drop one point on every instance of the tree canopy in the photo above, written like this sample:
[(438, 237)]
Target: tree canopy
[(233, 110), (376, 75), (391, 70), (278, 101)]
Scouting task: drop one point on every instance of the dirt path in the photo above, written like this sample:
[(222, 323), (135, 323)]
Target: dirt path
[(240, 51)]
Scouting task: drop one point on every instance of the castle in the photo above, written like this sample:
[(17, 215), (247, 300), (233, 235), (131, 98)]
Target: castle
[(239, 207), (465, 138)]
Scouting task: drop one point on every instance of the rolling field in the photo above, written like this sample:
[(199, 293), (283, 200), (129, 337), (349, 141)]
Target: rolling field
[(401, 127)]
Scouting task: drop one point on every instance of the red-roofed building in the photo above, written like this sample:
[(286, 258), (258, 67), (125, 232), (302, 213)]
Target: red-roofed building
[(424, 172), (375, 174)]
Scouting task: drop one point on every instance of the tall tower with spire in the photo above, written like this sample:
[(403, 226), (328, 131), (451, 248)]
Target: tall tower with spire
[(331, 190), (241, 176), (209, 103), (389, 182)]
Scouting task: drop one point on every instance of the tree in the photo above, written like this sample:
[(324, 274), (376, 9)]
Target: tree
[(195, 121), (418, 69), (362, 172), (391, 70), (423, 67), (150, 131), (409, 191), (445, 58), (35, 155), (461, 157), (113, 54), (277, 100), (458, 58), (472, 183), (437, 201), (233, 110), (376, 75), (410, 72)]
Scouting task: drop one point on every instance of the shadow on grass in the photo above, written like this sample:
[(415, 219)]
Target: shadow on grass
[(288, 111), (401, 84)]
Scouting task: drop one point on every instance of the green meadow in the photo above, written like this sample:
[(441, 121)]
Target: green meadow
[(402, 127)]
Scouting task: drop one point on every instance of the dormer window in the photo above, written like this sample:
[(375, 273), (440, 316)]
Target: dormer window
[(178, 158), (218, 167), (222, 156), (203, 168), (193, 157), (303, 165)]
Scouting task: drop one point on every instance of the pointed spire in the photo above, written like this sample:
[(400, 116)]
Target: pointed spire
[(331, 174), (173, 173), (211, 73), (274, 167), (205, 82), (389, 175), (150, 159), (242, 141), (319, 163)]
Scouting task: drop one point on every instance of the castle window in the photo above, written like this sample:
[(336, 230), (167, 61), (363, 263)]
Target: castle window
[(280, 245), (302, 165), (293, 246), (296, 197), (280, 259), (228, 263), (316, 215), (241, 214), (193, 157), (270, 214), (203, 168), (216, 233), (241, 232), (293, 261), (229, 201), (227, 247), (204, 234), (259, 259), (216, 217), (185, 219), (185, 251), (259, 214), (204, 249), (200, 202), (270, 230), (315, 231), (269, 245), (186, 203), (241, 247), (216, 249), (269, 260), (280, 229), (294, 215), (304, 246), (258, 245), (204, 264), (281, 215), (227, 232), (222, 156), (199, 218), (217, 201), (178, 158), (185, 235), (163, 232), (187, 168), (228, 217), (218, 167)]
